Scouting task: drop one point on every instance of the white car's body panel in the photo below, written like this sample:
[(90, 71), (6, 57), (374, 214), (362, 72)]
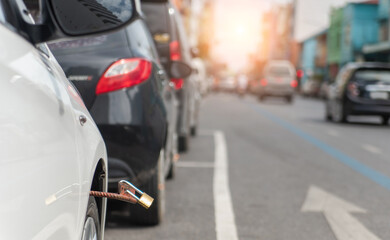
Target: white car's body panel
[(47, 159)]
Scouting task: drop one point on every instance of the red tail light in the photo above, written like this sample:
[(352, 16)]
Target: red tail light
[(263, 82), (124, 73), (174, 48), (300, 73), (178, 83), (294, 83)]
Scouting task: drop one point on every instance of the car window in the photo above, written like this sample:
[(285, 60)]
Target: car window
[(140, 40), (2, 16), (279, 71), (157, 18), (372, 76), (90, 44)]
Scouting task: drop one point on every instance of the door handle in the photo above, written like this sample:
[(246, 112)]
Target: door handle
[(82, 119)]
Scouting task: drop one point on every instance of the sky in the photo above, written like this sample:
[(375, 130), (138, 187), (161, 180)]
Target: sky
[(238, 25)]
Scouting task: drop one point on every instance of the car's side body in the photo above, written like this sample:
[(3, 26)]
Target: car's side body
[(165, 24), (48, 160)]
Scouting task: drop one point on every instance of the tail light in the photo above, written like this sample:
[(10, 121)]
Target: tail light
[(178, 82), (263, 82), (174, 48), (353, 89), (300, 73), (294, 83), (124, 73)]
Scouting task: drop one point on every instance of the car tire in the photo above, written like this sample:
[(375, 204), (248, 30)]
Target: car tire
[(289, 99), (385, 120), (328, 115), (184, 143), (91, 229), (172, 170), (193, 131), (338, 114), (156, 189)]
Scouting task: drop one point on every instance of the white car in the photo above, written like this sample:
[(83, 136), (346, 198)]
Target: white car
[(51, 152)]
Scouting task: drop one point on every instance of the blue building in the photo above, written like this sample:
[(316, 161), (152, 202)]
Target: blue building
[(380, 51), (314, 57), (360, 27)]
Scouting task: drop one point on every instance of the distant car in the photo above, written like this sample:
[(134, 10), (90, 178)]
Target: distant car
[(360, 89), (227, 84), (134, 105), (311, 88), (279, 80), (52, 154), (169, 34)]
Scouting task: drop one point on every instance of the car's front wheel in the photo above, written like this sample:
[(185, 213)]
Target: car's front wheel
[(91, 230)]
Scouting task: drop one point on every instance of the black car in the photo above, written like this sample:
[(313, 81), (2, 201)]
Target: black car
[(133, 103), (360, 89), (166, 26)]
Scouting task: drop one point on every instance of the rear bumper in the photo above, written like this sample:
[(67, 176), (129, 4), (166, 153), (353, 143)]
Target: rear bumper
[(276, 91), (358, 107)]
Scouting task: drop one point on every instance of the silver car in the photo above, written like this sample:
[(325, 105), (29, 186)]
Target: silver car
[(279, 79)]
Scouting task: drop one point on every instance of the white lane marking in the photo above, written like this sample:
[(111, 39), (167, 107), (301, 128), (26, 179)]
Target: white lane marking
[(333, 133), (224, 214), (372, 149), (338, 214), (188, 164)]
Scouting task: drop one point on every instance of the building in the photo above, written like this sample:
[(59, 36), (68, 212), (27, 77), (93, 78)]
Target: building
[(380, 51), (359, 27), (314, 58)]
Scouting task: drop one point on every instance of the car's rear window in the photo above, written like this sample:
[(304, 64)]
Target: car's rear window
[(156, 17), (90, 44), (279, 71), (373, 76)]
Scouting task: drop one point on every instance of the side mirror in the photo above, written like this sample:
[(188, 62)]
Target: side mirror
[(78, 18), (179, 70)]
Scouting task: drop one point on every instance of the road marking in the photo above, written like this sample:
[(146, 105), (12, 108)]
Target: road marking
[(348, 161), (188, 164), (372, 149), (338, 214), (224, 214), (333, 133)]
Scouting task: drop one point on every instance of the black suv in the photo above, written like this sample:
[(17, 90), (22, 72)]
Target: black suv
[(165, 24), (133, 103)]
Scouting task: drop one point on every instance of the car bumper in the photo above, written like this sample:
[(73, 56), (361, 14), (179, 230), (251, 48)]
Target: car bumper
[(360, 107)]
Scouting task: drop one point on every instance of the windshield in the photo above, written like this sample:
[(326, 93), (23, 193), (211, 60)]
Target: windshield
[(279, 72)]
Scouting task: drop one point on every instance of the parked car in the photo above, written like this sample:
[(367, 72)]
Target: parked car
[(52, 153), (311, 88), (134, 105), (360, 89), (279, 80), (165, 24), (227, 84)]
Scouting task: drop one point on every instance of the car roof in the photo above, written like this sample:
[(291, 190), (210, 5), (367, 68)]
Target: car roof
[(357, 65)]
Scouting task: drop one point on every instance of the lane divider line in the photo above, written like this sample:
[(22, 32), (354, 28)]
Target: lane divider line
[(359, 167), (224, 215)]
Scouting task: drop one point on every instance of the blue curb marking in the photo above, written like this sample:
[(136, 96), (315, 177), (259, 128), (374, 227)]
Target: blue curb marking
[(359, 167)]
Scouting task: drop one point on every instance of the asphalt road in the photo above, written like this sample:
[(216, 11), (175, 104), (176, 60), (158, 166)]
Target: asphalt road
[(290, 175)]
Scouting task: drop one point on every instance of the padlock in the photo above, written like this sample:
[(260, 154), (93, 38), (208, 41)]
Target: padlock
[(125, 187)]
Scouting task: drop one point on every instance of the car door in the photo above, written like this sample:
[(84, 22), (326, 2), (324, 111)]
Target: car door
[(39, 158)]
